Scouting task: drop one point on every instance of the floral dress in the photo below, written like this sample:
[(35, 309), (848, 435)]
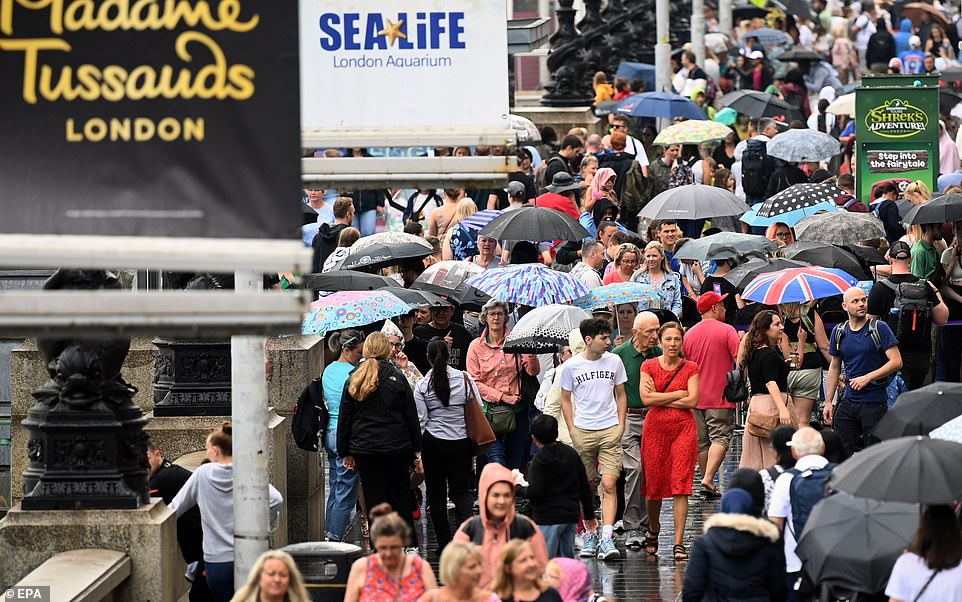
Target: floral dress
[(381, 587)]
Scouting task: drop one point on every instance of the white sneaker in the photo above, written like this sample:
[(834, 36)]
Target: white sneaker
[(619, 527), (634, 539)]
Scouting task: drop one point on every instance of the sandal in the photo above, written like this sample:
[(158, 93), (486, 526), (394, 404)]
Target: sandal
[(650, 544), (679, 552), (710, 490)]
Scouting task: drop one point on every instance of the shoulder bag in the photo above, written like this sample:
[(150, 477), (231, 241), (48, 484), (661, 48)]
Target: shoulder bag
[(528, 385), (479, 430)]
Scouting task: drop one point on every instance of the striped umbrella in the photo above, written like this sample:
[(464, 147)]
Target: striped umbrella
[(796, 285), (479, 220), (529, 284)]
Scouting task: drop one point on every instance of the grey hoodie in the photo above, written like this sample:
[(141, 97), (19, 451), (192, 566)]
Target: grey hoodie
[(211, 487)]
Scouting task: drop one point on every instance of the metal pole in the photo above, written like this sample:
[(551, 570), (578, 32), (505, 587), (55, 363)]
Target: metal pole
[(249, 401), (698, 30), (662, 47), (725, 16)]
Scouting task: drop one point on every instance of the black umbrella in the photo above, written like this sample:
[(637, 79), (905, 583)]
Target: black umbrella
[(384, 254), (416, 298), (917, 470), (759, 104), (346, 280), (920, 411), (827, 256), (798, 196), (948, 99), (850, 544), (534, 223), (746, 272), (748, 11), (798, 55), (946, 208), (867, 254), (446, 278)]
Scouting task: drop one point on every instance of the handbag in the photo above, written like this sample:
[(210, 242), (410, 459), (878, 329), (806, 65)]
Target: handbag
[(501, 418), (736, 386), (528, 385), (758, 425), (479, 429)]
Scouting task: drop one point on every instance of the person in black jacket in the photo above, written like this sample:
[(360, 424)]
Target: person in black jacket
[(881, 48), (786, 175), (558, 489), (740, 556), (325, 241), (378, 432)]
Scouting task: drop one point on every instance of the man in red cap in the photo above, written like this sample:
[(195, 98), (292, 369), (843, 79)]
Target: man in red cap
[(713, 345)]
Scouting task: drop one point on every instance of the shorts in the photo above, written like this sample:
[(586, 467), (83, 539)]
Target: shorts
[(599, 447), (805, 383), (715, 426)]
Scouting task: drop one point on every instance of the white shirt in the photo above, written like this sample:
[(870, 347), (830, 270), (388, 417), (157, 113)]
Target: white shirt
[(866, 29), (592, 383), (829, 121), (636, 148), (781, 507), (587, 274), (910, 574)]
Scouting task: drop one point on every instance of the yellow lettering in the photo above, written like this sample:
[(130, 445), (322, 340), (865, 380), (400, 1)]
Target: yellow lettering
[(31, 48), (135, 129), (242, 77), (194, 129), (143, 129), (80, 14), (140, 83), (112, 88), (168, 129), (120, 129), (72, 134), (95, 129), (119, 17)]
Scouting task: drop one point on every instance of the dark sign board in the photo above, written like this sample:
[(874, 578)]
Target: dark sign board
[(897, 161), (150, 118)]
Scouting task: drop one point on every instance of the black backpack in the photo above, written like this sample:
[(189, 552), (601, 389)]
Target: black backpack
[(807, 489), (911, 317), (543, 181), (756, 168), (309, 422)]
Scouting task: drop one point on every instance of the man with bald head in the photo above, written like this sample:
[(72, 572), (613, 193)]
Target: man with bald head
[(642, 345), (870, 354)]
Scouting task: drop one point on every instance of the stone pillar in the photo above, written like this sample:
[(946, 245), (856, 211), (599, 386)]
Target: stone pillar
[(192, 378)]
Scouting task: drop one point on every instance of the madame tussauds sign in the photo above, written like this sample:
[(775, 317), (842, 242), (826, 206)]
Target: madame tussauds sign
[(160, 117), (896, 119)]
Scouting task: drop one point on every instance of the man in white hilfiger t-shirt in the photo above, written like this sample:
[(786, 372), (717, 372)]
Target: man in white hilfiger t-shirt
[(595, 379)]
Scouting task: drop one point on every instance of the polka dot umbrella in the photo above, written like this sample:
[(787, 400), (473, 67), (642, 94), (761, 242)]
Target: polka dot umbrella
[(350, 309), (544, 329), (798, 196)]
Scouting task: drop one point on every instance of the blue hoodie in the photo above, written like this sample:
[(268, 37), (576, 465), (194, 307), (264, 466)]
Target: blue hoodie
[(902, 36)]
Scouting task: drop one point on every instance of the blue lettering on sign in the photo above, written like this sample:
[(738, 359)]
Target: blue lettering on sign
[(378, 31)]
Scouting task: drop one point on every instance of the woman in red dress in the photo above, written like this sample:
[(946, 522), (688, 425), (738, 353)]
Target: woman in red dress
[(669, 443)]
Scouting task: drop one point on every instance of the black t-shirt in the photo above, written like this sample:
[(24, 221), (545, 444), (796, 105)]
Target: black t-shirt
[(417, 351), (723, 286), (812, 357), (459, 350), (549, 595), (765, 365), (166, 483), (881, 300)]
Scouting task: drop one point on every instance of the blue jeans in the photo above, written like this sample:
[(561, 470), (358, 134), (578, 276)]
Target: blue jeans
[(342, 491), (220, 580), (559, 539), (514, 449), (366, 222)]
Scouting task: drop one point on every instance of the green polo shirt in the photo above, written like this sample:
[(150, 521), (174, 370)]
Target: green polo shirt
[(632, 360), (924, 260)]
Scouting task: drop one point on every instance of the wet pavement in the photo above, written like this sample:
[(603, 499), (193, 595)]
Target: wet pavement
[(636, 576)]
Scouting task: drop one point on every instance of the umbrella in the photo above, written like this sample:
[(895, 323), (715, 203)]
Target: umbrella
[(946, 208), (660, 104), (534, 223), (800, 54), (867, 254), (917, 470), (769, 38), (632, 71), (827, 256), (346, 280), (389, 238), (415, 298), (952, 74), (851, 543), (693, 131), (480, 219), (447, 278), (798, 196), (917, 11), (799, 8), (748, 11), (950, 431), (759, 104), (529, 284), (839, 227), (843, 105), (694, 201), (791, 217), (947, 100), (726, 245), (742, 275), (798, 285), (616, 294), (526, 130), (719, 43), (803, 145), (544, 329), (604, 108), (918, 412), (383, 254), (348, 309)]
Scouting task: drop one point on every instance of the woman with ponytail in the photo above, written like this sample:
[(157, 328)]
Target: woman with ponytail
[(441, 397), (378, 433)]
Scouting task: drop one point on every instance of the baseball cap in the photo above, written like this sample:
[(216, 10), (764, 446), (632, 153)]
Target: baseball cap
[(515, 189), (900, 250), (708, 300)]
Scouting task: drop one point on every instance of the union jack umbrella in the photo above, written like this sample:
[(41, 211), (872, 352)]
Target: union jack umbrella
[(796, 285)]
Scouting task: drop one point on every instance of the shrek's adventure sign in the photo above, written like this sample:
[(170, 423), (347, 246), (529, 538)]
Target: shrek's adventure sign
[(897, 131), (149, 117)]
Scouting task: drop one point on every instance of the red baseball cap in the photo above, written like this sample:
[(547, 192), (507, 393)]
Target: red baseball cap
[(708, 300)]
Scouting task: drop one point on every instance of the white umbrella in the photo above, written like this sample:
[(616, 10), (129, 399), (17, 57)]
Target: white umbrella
[(843, 105), (950, 431), (525, 128)]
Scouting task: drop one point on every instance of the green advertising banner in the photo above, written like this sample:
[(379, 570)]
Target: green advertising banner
[(897, 132)]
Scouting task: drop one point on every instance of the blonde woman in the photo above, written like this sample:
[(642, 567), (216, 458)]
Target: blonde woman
[(466, 208), (655, 271), (627, 259), (378, 432), (460, 572), (518, 576), (273, 578)]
